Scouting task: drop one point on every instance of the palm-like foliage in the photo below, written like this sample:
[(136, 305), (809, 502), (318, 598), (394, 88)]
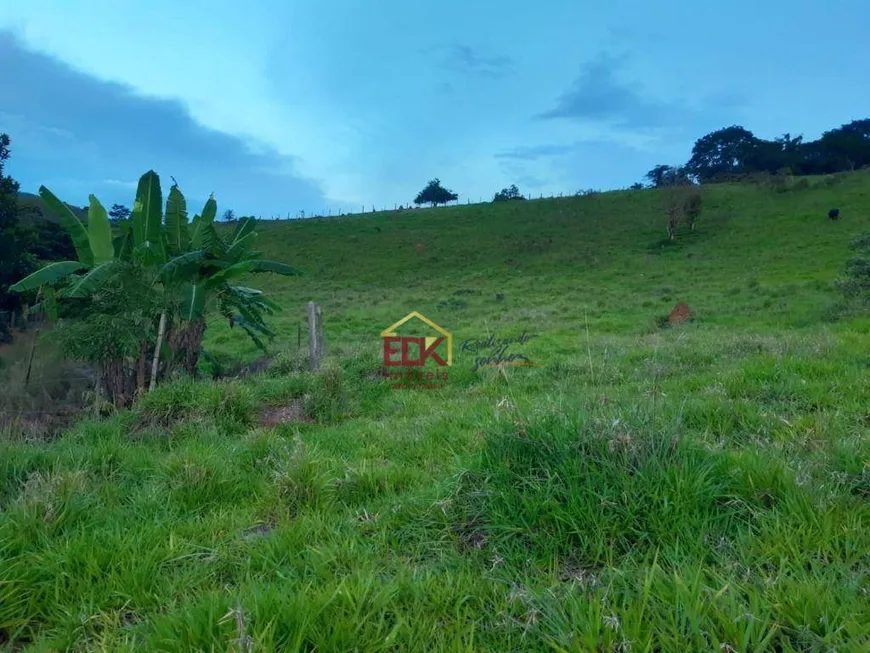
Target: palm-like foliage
[(98, 250), (205, 275), (190, 264), (93, 245)]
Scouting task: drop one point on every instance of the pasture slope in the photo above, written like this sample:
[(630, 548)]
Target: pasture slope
[(701, 487)]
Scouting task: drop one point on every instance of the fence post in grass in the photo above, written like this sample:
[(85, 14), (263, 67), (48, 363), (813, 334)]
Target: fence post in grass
[(30, 358), (321, 338), (315, 336)]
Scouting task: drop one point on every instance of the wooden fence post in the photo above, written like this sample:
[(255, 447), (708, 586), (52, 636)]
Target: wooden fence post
[(321, 338), (315, 336), (30, 358)]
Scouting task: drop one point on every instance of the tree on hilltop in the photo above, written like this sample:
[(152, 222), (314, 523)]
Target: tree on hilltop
[(664, 175), (725, 151), (847, 147), (506, 194), (119, 212), (435, 194)]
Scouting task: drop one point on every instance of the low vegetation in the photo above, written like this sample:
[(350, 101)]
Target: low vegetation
[(155, 274), (700, 487)]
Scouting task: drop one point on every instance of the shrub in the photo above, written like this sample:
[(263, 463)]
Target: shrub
[(328, 401), (855, 284), (108, 330)]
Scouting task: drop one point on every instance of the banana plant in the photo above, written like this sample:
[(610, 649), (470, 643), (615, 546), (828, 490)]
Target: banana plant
[(93, 245), (141, 240), (97, 250), (203, 275), (193, 264)]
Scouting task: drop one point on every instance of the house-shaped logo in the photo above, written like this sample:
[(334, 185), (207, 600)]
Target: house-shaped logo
[(414, 351)]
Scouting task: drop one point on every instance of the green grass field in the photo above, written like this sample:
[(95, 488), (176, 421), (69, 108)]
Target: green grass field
[(702, 487)]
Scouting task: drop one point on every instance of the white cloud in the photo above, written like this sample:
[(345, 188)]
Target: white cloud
[(120, 183)]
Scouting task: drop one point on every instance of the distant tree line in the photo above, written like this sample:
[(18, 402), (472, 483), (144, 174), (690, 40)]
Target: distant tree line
[(733, 152)]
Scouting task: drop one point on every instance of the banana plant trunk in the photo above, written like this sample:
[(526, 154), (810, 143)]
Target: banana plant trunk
[(161, 329), (142, 369), (186, 343), (117, 382)]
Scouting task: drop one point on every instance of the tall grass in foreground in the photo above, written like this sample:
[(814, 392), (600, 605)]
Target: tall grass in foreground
[(590, 526)]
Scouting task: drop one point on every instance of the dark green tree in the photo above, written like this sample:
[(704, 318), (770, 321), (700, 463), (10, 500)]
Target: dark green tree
[(664, 175), (506, 194), (847, 147), (119, 212), (791, 151), (15, 241), (435, 194), (721, 153)]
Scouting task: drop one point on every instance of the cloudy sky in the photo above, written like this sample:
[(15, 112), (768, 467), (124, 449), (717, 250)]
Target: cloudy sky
[(278, 106)]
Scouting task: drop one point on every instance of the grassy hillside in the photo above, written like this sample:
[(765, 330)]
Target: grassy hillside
[(698, 487), (32, 206)]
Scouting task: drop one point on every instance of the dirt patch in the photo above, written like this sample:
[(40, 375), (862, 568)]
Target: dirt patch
[(471, 534), (294, 412), (681, 313)]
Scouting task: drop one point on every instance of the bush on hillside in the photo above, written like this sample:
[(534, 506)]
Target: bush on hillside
[(855, 284), (681, 204)]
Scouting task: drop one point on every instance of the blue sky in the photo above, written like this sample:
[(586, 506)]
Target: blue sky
[(278, 106)]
